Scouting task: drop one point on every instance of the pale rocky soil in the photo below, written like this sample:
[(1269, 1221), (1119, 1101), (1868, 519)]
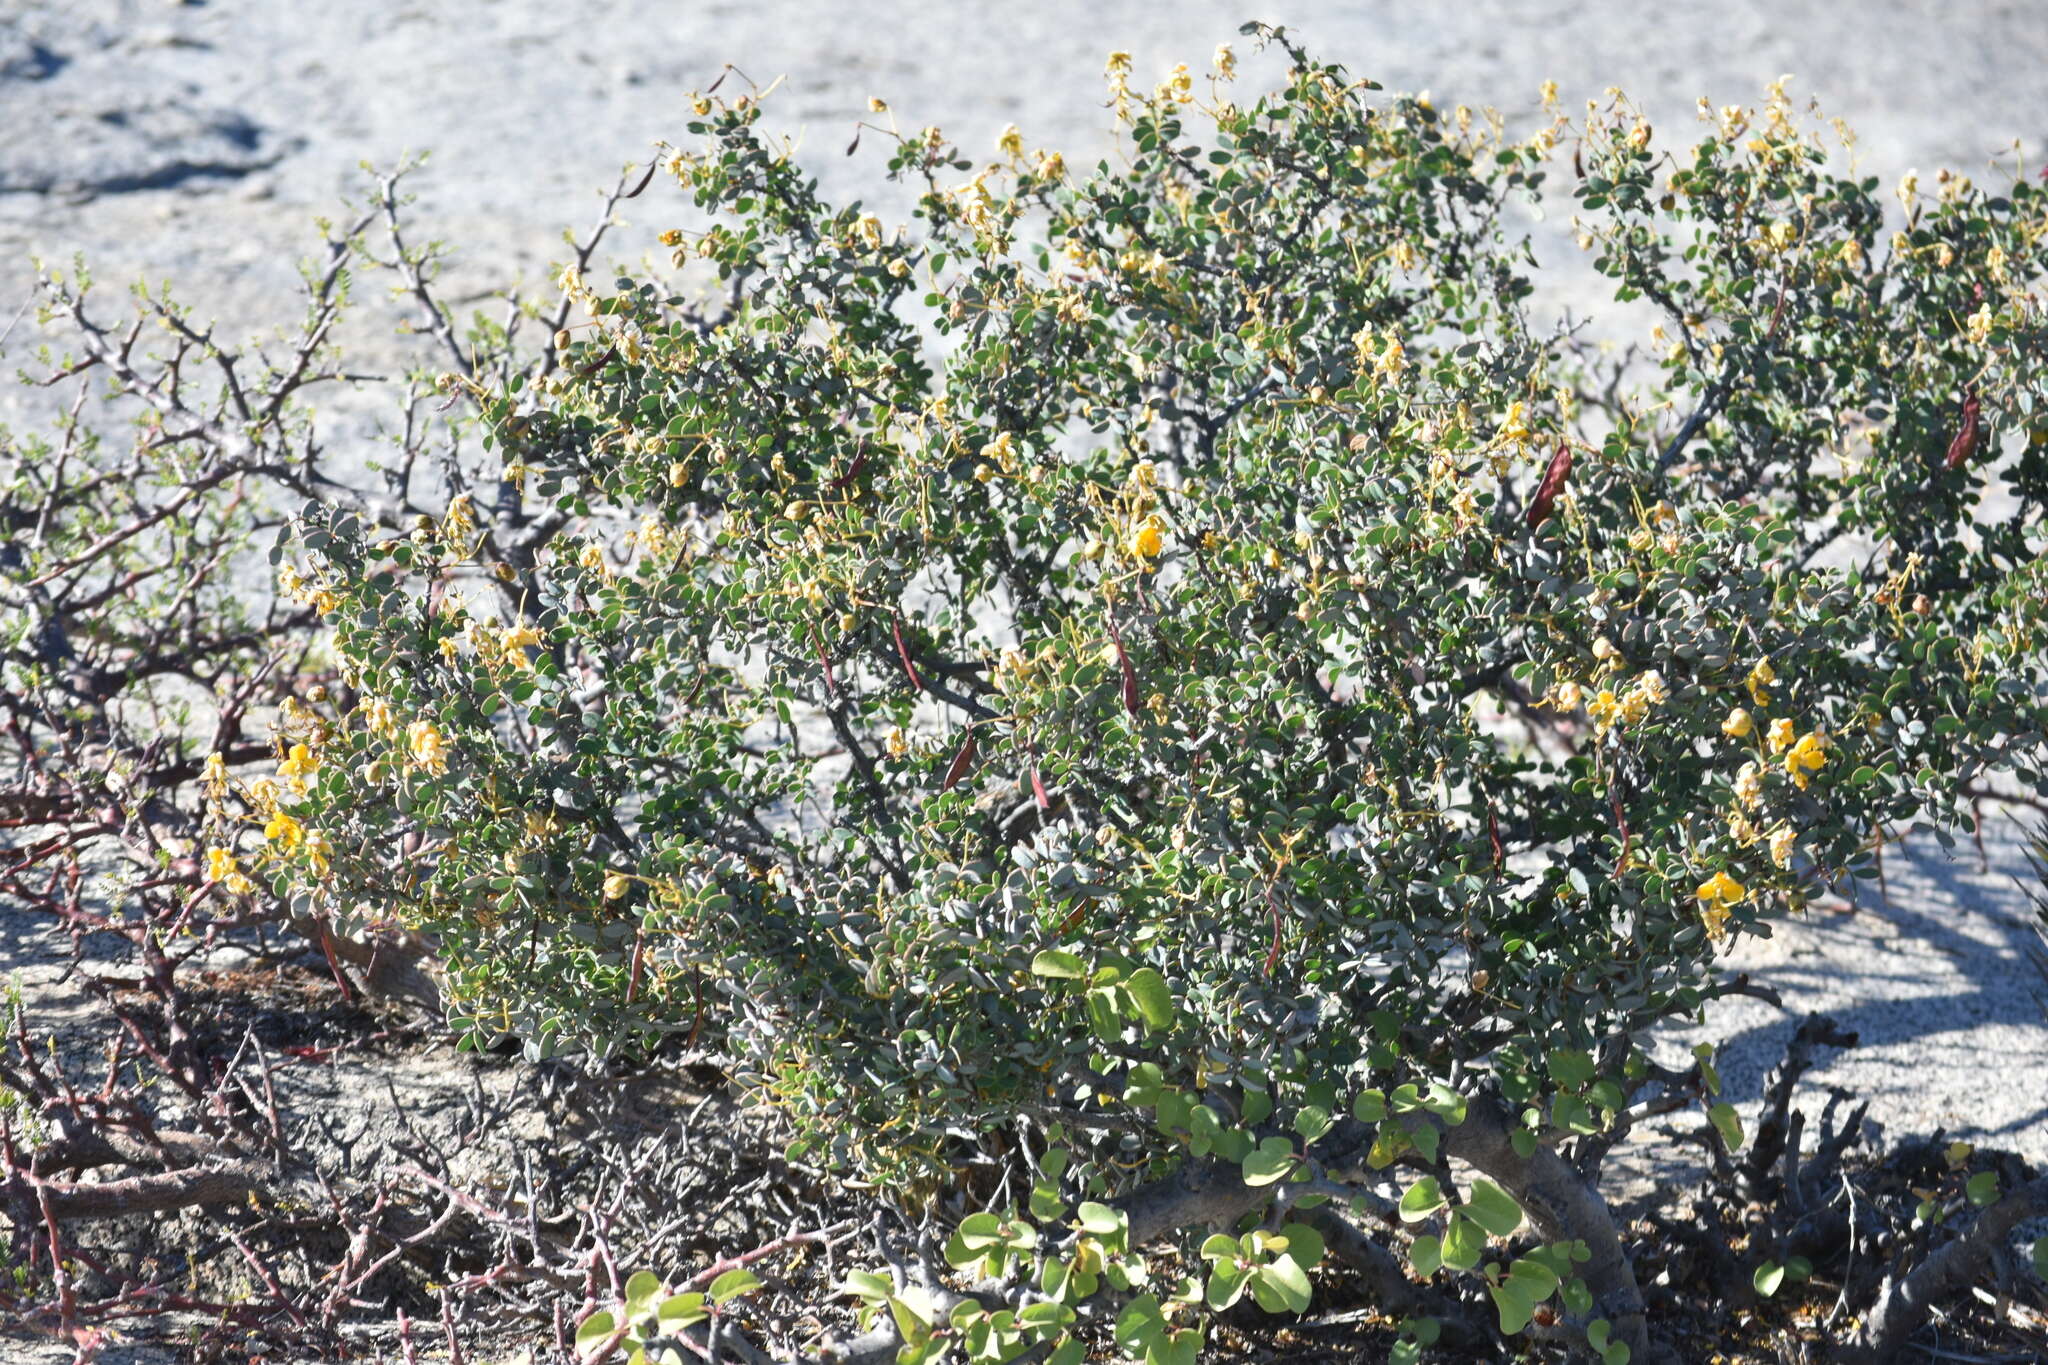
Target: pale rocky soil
[(197, 142)]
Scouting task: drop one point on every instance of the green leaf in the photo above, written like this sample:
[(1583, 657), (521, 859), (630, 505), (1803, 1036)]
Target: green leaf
[(1767, 1278), (681, 1310), (1304, 1244), (1369, 1107), (641, 1287), (1422, 1199), (734, 1283), (1464, 1243), (1426, 1255), (1571, 1068), (596, 1329), (1493, 1208), (1100, 1219), (1312, 1121), (1226, 1285), (1155, 1001), (1059, 965), (1513, 1305), (1288, 1281), (1727, 1123), (1139, 1324), (1273, 1159), (2041, 1257), (865, 1284), (1982, 1188)]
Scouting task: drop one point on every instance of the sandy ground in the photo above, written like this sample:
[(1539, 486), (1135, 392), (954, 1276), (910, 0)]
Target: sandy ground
[(198, 141)]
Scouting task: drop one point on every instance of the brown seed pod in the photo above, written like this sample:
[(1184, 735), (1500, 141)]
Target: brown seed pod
[(1552, 484), (962, 761), (1964, 444)]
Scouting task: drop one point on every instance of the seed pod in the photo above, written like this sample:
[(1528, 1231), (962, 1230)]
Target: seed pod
[(962, 761), (1123, 663), (1964, 445), (903, 653), (1551, 485), (1038, 791)]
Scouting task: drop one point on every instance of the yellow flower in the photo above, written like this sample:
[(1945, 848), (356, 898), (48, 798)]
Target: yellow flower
[(1978, 325), (1741, 830), (898, 744), (1603, 650), (592, 557), (1119, 64), (377, 717), (1805, 758), (1749, 784), (1738, 725), (299, 764), (1392, 359), (1605, 709), (1716, 895), (1514, 428), (616, 885), (1783, 842), (1225, 62), (220, 864), (1650, 687), (284, 831), (1566, 696), (318, 850), (1761, 677), (215, 770), (1148, 538), (427, 746), (1011, 141), (517, 640), (1781, 736)]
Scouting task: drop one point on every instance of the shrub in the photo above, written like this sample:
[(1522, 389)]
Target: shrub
[(1159, 696)]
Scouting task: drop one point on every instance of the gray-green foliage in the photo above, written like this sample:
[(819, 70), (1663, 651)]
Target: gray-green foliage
[(1240, 683)]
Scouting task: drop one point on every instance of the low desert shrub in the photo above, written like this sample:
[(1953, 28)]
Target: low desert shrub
[(1158, 697)]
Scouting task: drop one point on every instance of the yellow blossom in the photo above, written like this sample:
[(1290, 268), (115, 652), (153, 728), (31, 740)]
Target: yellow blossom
[(1225, 62), (1566, 696), (1741, 830), (1783, 843), (1605, 709), (377, 717), (1148, 538), (318, 852), (1760, 678), (215, 770), (426, 747), (1780, 736), (1804, 759), (1650, 687), (1716, 896), (896, 742), (299, 764), (868, 229), (616, 885), (1978, 325), (1011, 141), (1749, 784), (1514, 428), (284, 831), (1738, 725)]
